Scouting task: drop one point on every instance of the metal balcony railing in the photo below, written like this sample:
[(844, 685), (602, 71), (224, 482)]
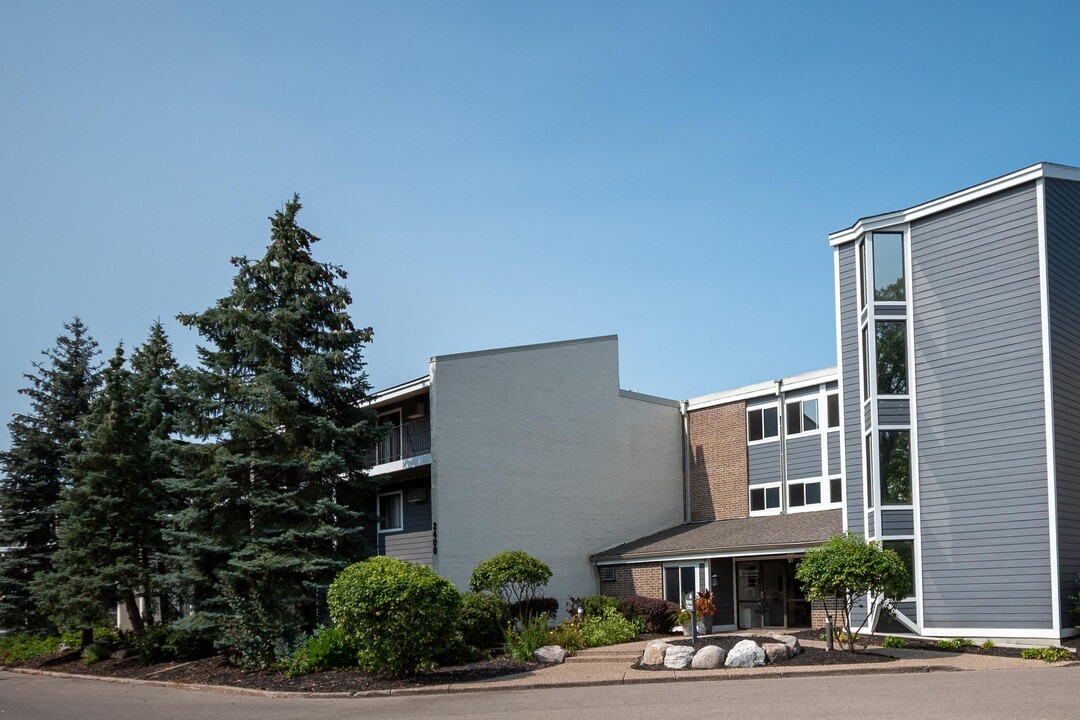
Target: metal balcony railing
[(403, 441)]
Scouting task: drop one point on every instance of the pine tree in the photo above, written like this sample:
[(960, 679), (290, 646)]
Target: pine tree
[(272, 515), (110, 542), (34, 468), (102, 515)]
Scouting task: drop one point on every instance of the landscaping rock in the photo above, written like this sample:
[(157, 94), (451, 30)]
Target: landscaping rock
[(63, 648), (790, 640), (709, 657), (654, 653), (776, 652), (122, 653), (745, 654), (678, 657), (552, 654)]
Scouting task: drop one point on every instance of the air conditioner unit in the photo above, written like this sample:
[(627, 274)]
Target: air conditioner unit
[(415, 411), (416, 495), (607, 573)]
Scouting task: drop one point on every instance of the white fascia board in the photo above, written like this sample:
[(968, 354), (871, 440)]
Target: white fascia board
[(1013, 179), (764, 389), (398, 392), (524, 348), (634, 395)]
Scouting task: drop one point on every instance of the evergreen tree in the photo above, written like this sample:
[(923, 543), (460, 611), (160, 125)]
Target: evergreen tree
[(34, 468), (110, 518), (274, 488)]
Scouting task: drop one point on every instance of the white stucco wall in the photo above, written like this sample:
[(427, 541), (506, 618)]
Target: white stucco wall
[(536, 449)]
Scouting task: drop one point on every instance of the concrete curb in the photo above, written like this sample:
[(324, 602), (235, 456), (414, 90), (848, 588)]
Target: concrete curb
[(621, 677)]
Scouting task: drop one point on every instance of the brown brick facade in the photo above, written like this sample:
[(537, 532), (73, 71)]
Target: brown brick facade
[(637, 579), (817, 614), (718, 463)]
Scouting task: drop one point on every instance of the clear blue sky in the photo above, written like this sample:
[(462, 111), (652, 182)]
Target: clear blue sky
[(503, 173)]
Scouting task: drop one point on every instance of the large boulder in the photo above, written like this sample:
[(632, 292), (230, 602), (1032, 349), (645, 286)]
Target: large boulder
[(678, 657), (776, 652), (551, 654), (709, 657), (654, 652), (745, 654), (790, 640)]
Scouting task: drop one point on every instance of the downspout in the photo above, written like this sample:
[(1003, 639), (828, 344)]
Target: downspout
[(684, 411), (782, 420)]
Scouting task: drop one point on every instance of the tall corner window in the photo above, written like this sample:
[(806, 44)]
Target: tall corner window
[(892, 376), (868, 466), (889, 266), (802, 416), (762, 424), (833, 403), (906, 550), (390, 518), (894, 459), (861, 273), (865, 364)]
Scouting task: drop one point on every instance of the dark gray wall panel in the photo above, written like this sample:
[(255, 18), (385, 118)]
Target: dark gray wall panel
[(892, 411), (763, 463), (1063, 258), (804, 457), (415, 518), (834, 453), (981, 428), (890, 311), (849, 378), (723, 569), (897, 523)]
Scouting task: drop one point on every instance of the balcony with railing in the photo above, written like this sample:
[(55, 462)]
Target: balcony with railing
[(402, 442)]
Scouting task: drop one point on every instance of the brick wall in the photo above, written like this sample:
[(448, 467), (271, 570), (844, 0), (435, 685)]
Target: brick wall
[(817, 614), (637, 579), (718, 463)]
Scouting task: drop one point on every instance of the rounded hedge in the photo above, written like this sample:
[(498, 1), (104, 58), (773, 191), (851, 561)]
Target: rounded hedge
[(402, 615), (483, 621)]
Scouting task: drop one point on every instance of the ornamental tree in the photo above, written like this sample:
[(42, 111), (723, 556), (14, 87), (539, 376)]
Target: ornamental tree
[(514, 575), (275, 484), (848, 568), (34, 469)]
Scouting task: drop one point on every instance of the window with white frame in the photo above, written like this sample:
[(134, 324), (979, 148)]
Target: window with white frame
[(802, 494), (682, 579), (802, 416), (762, 424), (390, 512), (765, 498), (836, 490)]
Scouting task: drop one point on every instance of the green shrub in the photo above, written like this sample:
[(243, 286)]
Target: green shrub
[(402, 616), (514, 575), (609, 628), (591, 604), (987, 645), (1047, 654), (568, 636), (253, 634), (483, 620), (658, 615), (535, 607), (19, 648), (328, 649), (191, 638), (152, 645), (954, 644), (893, 642), (93, 653), (521, 644)]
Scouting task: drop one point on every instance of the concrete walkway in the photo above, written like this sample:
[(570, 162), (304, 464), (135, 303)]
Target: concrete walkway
[(612, 666)]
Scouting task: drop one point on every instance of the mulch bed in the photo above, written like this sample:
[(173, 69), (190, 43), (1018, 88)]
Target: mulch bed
[(809, 656), (217, 671), (914, 644)]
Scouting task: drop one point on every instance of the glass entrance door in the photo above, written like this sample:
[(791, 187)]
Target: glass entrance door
[(774, 595)]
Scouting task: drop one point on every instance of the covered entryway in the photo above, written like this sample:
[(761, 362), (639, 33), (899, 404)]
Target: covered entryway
[(769, 596)]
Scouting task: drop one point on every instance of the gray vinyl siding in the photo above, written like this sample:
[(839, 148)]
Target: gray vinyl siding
[(763, 463), (980, 416), (804, 457), (833, 441), (890, 311), (871, 525), (893, 411), (908, 610), (723, 569), (414, 542), (865, 412), (1062, 200), (850, 392), (897, 523)]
